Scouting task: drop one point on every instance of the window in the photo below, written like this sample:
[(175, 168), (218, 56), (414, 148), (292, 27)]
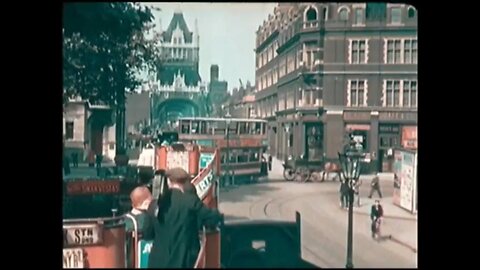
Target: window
[(357, 93), (69, 130), (359, 16), (311, 14), (343, 14), (358, 51), (309, 97), (410, 51), (283, 63), (411, 12), (401, 51), (275, 75), (291, 62), (311, 54), (409, 93), (396, 15), (392, 93)]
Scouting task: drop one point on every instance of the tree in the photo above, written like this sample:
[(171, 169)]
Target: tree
[(105, 45)]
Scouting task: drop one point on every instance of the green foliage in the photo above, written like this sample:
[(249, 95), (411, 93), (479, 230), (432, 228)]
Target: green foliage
[(105, 45)]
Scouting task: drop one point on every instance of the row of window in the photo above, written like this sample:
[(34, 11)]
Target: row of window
[(240, 156), (179, 53), (396, 51), (395, 93), (219, 128), (359, 15)]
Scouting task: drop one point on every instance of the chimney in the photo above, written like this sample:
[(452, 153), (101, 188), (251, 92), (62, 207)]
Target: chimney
[(214, 73)]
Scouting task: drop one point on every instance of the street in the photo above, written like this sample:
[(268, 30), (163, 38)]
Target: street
[(324, 223)]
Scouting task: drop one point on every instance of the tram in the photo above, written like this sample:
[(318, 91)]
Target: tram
[(241, 142)]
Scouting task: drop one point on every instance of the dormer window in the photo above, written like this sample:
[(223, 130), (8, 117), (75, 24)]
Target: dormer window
[(311, 14), (411, 12), (396, 15), (343, 13)]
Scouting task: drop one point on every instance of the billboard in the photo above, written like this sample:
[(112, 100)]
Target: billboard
[(405, 183)]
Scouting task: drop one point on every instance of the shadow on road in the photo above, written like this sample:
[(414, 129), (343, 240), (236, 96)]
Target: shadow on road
[(256, 190)]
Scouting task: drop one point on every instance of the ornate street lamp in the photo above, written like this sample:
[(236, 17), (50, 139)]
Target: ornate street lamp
[(350, 164)]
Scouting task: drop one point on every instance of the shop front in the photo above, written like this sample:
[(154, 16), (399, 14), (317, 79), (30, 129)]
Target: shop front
[(389, 138)]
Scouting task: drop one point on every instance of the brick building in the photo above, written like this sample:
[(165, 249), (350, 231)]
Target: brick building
[(326, 68)]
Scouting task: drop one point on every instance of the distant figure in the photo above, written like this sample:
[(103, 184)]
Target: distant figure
[(75, 159), (376, 215), (98, 163), (270, 160), (344, 195), (66, 165), (358, 183), (91, 158), (375, 186)]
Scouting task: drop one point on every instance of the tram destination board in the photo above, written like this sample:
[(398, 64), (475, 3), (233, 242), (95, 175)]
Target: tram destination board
[(82, 235), (73, 258), (93, 187)]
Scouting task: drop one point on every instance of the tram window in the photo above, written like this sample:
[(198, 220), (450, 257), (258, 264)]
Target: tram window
[(232, 128), (223, 158), (203, 127), (232, 158), (185, 127), (263, 128), (243, 128), (290, 140), (254, 156), (195, 127), (252, 128), (258, 128), (243, 156)]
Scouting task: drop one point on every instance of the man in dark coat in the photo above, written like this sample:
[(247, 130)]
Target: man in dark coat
[(375, 186), (176, 243), (376, 214)]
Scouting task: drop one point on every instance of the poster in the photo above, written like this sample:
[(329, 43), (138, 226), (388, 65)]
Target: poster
[(408, 181), (205, 159)]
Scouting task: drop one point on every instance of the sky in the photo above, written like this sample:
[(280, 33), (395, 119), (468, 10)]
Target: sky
[(227, 35)]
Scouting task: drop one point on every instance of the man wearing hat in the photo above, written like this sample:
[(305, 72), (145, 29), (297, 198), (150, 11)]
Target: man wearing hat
[(176, 243)]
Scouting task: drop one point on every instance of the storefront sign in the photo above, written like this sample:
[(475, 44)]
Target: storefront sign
[(80, 187), (357, 127), (356, 116), (409, 137), (411, 116), (389, 129)]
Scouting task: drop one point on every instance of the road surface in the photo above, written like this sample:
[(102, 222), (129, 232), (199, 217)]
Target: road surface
[(324, 224)]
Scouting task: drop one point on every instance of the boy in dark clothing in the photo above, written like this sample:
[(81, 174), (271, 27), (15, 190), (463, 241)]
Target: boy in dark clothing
[(176, 243), (375, 186)]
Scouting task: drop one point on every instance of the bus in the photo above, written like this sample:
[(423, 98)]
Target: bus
[(241, 142)]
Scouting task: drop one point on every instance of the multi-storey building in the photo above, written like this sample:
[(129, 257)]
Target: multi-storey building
[(324, 69)]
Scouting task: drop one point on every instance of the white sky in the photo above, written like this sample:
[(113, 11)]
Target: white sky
[(227, 35)]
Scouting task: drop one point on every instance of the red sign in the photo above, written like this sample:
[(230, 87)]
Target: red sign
[(240, 143), (409, 137), (93, 187)]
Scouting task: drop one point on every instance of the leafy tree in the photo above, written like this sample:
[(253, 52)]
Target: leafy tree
[(105, 46)]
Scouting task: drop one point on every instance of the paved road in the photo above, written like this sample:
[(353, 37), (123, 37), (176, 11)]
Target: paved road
[(324, 224)]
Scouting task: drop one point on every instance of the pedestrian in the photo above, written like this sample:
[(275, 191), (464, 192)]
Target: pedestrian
[(270, 160), (66, 165), (177, 243), (375, 186), (98, 163), (357, 185), (376, 215), (343, 195), (75, 159)]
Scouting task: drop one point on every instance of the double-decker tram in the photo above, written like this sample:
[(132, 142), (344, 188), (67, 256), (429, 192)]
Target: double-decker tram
[(241, 142)]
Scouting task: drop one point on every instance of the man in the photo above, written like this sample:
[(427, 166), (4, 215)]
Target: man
[(176, 243), (375, 186), (358, 183), (344, 195), (376, 214)]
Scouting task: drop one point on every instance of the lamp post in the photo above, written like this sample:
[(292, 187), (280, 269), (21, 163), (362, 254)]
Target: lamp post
[(350, 164)]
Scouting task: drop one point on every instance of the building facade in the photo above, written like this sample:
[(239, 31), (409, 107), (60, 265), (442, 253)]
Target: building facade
[(241, 103), (88, 127), (327, 69), (217, 92)]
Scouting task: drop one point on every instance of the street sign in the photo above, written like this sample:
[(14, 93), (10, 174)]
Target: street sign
[(205, 159), (144, 248), (82, 235), (72, 258)]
